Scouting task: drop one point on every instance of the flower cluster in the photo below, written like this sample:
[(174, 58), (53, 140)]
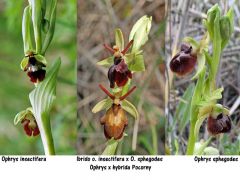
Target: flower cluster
[(121, 67)]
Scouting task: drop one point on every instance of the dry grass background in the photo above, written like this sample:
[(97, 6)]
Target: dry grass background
[(185, 19), (96, 23)]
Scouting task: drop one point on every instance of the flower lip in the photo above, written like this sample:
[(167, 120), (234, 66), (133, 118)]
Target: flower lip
[(221, 124), (184, 61), (119, 73), (35, 70), (30, 127), (114, 122)]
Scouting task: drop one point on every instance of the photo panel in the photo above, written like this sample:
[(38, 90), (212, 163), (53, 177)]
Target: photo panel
[(202, 93), (38, 77), (108, 121)]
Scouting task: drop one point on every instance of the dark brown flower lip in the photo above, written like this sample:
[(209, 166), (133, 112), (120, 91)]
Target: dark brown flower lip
[(28, 127), (35, 70), (183, 62), (220, 124), (119, 74)]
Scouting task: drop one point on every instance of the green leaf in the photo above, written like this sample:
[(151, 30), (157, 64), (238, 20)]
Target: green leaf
[(139, 32), (26, 30), (201, 64), (130, 108), (106, 62), (41, 99), (111, 147), (43, 95), (182, 115), (104, 104), (119, 39)]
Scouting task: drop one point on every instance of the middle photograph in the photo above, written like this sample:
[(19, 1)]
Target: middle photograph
[(121, 77)]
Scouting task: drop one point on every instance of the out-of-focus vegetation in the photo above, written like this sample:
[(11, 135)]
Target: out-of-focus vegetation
[(15, 85), (96, 23)]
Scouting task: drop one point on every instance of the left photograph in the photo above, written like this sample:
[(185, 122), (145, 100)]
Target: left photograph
[(38, 77)]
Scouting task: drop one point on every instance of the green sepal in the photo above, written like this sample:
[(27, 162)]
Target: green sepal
[(24, 63), (105, 104), (23, 114), (192, 42), (218, 109), (130, 108), (106, 62), (119, 39)]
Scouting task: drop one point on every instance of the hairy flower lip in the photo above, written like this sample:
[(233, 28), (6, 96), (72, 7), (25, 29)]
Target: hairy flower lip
[(35, 70), (119, 74), (114, 122), (30, 127), (221, 124), (183, 62)]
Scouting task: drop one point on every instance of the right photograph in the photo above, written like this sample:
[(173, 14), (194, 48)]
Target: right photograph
[(202, 78)]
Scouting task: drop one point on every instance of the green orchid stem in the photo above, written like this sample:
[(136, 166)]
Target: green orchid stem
[(192, 139), (46, 135)]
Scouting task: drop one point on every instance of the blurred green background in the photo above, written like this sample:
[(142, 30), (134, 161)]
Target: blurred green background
[(15, 85)]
